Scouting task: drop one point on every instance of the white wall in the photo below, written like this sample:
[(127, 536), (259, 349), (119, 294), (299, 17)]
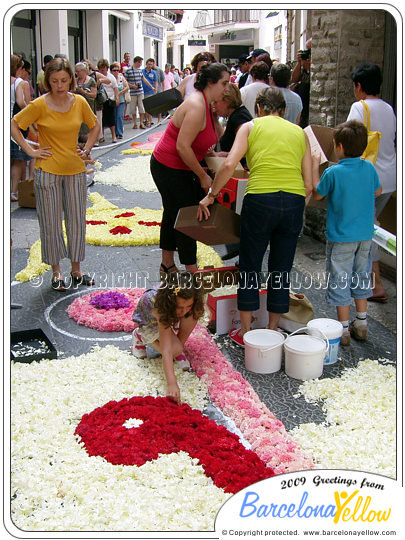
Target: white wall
[(54, 31)]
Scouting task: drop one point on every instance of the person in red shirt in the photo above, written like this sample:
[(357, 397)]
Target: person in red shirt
[(126, 64)]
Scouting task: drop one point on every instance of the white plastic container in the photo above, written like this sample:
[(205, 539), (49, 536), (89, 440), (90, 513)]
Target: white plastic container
[(263, 350), (333, 330), (304, 355)]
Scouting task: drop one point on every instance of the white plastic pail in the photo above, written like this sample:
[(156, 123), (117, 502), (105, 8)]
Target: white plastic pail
[(263, 350), (304, 355), (333, 330)]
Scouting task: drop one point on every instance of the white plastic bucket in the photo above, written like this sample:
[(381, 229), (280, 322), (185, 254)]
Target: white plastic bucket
[(304, 355), (263, 350), (333, 330)]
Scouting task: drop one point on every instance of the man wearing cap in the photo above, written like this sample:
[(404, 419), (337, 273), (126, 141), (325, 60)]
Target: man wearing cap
[(244, 66), (252, 58), (41, 74)]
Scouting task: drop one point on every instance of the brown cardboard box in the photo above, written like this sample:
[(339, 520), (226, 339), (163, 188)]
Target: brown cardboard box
[(26, 195), (321, 141), (214, 163), (222, 227)]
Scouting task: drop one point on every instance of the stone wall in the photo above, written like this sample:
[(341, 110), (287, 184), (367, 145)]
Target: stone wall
[(341, 39)]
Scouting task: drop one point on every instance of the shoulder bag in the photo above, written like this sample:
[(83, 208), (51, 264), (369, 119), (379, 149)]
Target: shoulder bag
[(373, 137)]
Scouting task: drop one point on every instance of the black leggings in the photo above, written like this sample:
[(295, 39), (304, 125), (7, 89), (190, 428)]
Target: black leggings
[(178, 188)]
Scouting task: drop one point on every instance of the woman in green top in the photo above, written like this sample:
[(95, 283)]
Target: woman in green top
[(279, 159)]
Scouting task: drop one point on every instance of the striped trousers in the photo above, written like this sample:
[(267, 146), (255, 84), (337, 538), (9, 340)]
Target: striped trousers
[(58, 196)]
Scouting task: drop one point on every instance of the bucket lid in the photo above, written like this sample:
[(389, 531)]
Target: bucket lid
[(304, 344), (331, 328), (263, 338)]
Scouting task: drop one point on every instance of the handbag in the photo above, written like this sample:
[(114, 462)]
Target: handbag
[(300, 313), (127, 97), (373, 138), (101, 97)]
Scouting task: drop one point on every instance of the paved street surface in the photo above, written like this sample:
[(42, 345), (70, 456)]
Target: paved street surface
[(46, 309)]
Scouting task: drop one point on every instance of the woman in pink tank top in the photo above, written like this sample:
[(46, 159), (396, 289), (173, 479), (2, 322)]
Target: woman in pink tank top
[(176, 162)]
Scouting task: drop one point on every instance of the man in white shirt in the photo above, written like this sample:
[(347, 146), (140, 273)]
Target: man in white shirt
[(260, 79), (367, 79), (280, 77)]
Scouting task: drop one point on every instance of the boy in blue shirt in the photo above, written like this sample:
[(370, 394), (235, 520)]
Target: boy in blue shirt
[(351, 187)]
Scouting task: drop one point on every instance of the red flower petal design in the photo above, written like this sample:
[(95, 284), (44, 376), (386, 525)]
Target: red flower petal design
[(91, 222), (120, 230), (125, 214), (167, 428)]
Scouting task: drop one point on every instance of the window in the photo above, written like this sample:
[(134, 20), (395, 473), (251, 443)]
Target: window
[(278, 37)]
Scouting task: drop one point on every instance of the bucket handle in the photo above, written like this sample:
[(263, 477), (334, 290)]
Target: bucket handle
[(274, 346), (320, 331)]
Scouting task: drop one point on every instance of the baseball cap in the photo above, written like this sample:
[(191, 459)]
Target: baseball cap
[(242, 59), (256, 53)]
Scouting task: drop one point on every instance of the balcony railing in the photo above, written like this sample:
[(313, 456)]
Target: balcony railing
[(225, 16), (173, 15)]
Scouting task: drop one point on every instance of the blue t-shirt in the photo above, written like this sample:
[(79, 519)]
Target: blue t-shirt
[(151, 76), (350, 187)]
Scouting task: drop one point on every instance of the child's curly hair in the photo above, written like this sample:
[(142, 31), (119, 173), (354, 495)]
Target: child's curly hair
[(179, 285)]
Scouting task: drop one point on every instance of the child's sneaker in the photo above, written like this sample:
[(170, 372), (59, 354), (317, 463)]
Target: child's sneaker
[(138, 349), (183, 362), (358, 331)]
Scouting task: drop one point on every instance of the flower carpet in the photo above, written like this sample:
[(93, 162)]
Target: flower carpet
[(108, 225), (359, 432), (132, 174), (82, 427), (58, 486), (84, 311)]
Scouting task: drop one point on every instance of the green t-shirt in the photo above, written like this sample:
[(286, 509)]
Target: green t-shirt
[(274, 156)]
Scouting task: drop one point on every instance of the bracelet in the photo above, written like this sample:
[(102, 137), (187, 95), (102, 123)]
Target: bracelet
[(213, 195), (87, 152)]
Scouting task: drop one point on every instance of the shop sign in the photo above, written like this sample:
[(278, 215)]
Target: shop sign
[(152, 31)]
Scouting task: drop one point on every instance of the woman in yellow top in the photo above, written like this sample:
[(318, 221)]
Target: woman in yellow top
[(279, 158), (60, 168)]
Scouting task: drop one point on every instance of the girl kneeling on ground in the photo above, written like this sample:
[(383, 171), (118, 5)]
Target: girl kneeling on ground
[(165, 316)]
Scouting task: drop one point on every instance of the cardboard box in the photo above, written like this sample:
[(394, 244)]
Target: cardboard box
[(215, 278), (26, 195), (321, 141), (162, 101), (21, 343), (225, 313), (222, 227), (231, 196), (215, 162)]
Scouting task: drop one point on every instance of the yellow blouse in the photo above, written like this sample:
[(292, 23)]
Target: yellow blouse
[(59, 130)]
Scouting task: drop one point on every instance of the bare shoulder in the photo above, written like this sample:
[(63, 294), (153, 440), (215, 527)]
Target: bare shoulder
[(192, 107)]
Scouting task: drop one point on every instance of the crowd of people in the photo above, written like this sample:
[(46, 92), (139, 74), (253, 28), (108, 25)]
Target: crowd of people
[(254, 116)]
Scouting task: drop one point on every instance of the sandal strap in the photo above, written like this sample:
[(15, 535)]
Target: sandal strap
[(82, 280)]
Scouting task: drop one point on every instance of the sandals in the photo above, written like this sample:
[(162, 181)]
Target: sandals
[(58, 285), (14, 197), (164, 270), (84, 279), (236, 337)]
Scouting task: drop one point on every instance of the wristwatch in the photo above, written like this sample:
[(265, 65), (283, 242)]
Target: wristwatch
[(211, 194), (87, 152)]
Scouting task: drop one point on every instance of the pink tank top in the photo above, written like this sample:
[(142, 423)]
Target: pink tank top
[(165, 151)]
